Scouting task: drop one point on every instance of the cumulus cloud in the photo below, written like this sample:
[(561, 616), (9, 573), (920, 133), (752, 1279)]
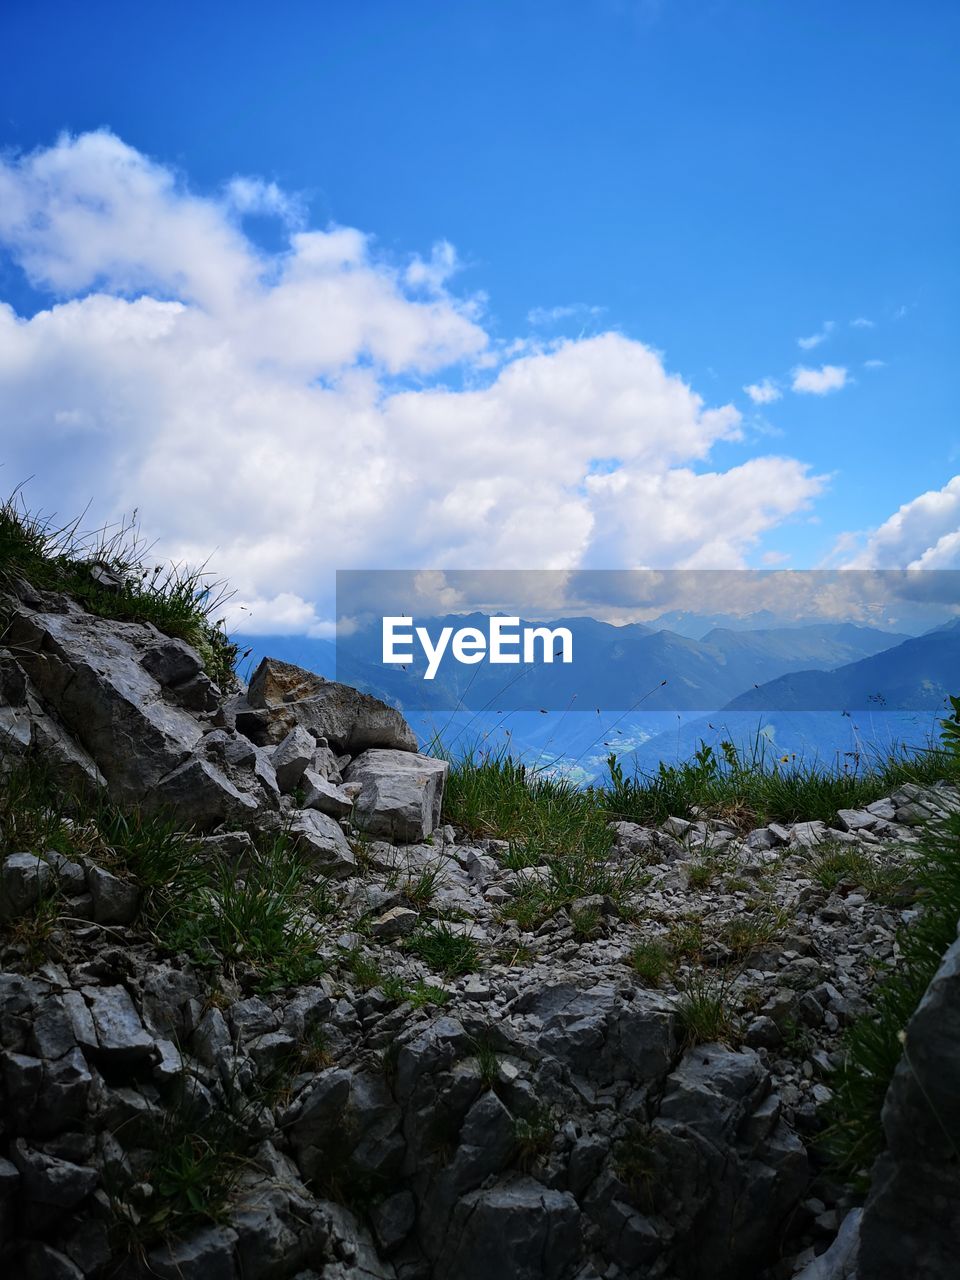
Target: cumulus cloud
[(861, 322), (818, 382), (815, 339), (327, 407), (923, 534), (764, 392)]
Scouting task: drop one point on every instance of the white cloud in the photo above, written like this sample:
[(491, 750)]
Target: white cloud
[(764, 392), (283, 413), (697, 520), (874, 364), (542, 316), (818, 382), (861, 322), (815, 339), (283, 615), (436, 271), (254, 196), (923, 534)]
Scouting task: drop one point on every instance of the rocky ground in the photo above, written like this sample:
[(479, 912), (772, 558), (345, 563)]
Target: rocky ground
[(630, 1085)]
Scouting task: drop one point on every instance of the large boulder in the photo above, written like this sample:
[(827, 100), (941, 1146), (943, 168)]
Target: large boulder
[(400, 794), (348, 1128), (911, 1220), (121, 705), (519, 1229), (282, 696), (90, 671)]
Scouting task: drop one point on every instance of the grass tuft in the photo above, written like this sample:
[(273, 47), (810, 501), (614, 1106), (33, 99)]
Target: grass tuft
[(445, 951), (110, 573), (706, 1014), (651, 961)]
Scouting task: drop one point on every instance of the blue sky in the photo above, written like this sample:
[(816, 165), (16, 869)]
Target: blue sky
[(714, 181)]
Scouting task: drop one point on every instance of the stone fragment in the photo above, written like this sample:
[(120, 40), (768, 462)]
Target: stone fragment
[(400, 793), (50, 1181), (115, 901), (71, 876), (120, 1033), (858, 819), (203, 796), (204, 1254), (24, 877), (291, 757), (272, 1050), (807, 835), (321, 840), (38, 1261), (9, 1178), (328, 797), (89, 670), (763, 1033), (911, 1218), (394, 1219), (171, 661), (395, 923)]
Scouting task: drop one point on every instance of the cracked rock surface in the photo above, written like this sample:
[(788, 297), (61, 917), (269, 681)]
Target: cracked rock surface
[(539, 1111)]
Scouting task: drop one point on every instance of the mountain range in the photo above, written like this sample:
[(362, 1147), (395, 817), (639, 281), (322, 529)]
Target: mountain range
[(650, 693)]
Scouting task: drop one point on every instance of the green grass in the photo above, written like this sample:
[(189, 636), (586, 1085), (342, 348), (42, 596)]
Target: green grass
[(420, 890), (759, 788), (636, 1160), (705, 1011), (571, 877), (221, 917), (872, 1046), (195, 1159), (178, 600), (651, 960), (423, 994), (701, 874), (493, 795), (686, 938), (586, 923), (543, 816), (534, 1137), (445, 951), (488, 1062), (366, 973), (852, 867), (253, 919), (745, 935)]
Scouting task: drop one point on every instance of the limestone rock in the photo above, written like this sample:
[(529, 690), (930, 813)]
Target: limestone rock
[(24, 877), (911, 1219), (400, 793), (120, 1033), (115, 901), (89, 670), (319, 793), (292, 756), (321, 840), (519, 1229), (51, 1181), (282, 696)]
